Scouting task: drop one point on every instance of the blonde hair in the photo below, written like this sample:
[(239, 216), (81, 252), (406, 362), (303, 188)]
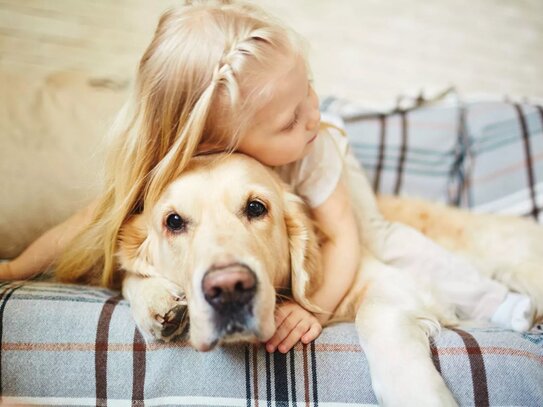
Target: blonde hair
[(188, 98)]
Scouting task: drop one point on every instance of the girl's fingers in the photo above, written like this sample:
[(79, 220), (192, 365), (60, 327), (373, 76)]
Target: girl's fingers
[(281, 332), (293, 337), (282, 312), (294, 324), (312, 334)]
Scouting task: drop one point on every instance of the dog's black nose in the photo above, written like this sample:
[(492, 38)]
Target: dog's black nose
[(229, 289)]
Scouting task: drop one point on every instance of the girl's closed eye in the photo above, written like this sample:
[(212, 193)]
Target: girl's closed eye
[(292, 124), (295, 121)]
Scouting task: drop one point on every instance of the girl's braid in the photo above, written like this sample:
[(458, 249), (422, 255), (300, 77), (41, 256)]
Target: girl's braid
[(225, 72)]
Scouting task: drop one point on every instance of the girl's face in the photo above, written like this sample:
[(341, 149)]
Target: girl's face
[(282, 131)]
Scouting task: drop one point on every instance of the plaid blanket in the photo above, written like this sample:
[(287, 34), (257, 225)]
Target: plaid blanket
[(75, 345)]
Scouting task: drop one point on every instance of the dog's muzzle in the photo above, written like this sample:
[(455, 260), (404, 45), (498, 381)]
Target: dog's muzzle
[(231, 290)]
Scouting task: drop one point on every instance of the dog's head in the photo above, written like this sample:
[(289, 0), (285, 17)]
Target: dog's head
[(230, 234)]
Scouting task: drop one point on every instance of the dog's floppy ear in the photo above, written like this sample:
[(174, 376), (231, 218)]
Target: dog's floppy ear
[(305, 261), (134, 247)]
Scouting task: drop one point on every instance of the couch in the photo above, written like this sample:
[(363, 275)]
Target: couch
[(76, 345)]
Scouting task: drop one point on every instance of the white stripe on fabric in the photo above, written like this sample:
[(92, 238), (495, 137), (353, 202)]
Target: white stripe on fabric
[(188, 400), (51, 401), (513, 204)]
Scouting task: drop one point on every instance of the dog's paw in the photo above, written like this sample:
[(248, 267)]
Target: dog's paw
[(172, 324), (160, 309)]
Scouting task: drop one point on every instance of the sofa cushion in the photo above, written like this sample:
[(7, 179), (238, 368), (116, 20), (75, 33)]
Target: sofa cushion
[(412, 149), (51, 133), (486, 155), (504, 160), (78, 345)]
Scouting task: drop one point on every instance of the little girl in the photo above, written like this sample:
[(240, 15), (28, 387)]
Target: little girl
[(225, 76)]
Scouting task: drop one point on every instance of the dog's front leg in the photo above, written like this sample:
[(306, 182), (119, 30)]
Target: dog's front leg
[(397, 349), (394, 322), (158, 306)]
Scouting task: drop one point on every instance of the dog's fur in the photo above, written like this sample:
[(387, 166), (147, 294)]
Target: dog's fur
[(394, 312)]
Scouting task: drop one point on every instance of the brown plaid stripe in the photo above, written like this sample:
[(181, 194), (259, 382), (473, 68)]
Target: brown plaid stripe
[(477, 364), (138, 378), (6, 292), (529, 162), (102, 347), (435, 355), (101, 350), (403, 152), (319, 348), (381, 155)]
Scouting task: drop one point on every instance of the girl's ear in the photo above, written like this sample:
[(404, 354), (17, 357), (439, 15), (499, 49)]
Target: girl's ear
[(134, 247), (305, 258)]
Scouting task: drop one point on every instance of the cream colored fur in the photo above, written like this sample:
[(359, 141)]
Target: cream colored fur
[(395, 313)]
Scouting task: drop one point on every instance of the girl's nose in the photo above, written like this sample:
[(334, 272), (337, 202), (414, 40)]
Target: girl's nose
[(313, 119)]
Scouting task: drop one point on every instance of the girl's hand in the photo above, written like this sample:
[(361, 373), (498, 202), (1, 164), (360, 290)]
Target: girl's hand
[(294, 323)]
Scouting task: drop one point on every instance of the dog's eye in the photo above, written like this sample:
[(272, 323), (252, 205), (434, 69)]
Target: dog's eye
[(175, 223), (255, 209)]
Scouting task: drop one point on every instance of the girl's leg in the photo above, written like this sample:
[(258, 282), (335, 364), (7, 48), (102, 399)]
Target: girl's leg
[(459, 282), (475, 295)]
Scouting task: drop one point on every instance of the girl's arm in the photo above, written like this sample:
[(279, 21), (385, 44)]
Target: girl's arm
[(340, 257), (37, 257), (341, 251)]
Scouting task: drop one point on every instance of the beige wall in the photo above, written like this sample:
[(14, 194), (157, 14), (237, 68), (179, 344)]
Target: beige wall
[(365, 50)]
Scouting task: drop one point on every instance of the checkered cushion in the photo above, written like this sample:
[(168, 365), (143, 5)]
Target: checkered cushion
[(504, 160), (483, 155), (414, 151), (74, 345)]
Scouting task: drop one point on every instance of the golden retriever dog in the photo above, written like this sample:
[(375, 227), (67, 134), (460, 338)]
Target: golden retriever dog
[(228, 236)]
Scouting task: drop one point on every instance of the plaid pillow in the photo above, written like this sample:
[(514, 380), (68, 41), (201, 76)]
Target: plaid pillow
[(410, 151), (504, 164), (484, 155)]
